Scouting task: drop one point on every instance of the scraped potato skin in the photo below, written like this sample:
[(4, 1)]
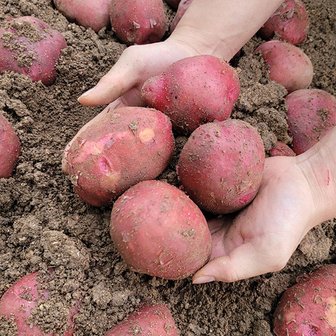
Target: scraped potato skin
[(182, 8), (311, 114), (221, 165), (290, 23), (10, 147), (281, 149), (308, 308), (288, 64), (88, 13), (34, 54), (194, 91), (20, 300), (150, 320), (138, 21), (159, 231), (127, 145)]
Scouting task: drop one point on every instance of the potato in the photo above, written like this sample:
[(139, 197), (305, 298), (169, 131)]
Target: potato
[(19, 302), (88, 13), (311, 114), (123, 147), (182, 8), (281, 149), (308, 308), (10, 147), (159, 231), (30, 47), (290, 23), (288, 65), (221, 165), (149, 320), (173, 3), (138, 21), (194, 91)]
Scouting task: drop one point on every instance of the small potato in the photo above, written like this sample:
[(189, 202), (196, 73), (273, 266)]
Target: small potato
[(158, 230), (182, 8), (173, 3), (281, 149), (311, 114), (138, 21), (290, 23), (194, 91), (117, 150), (288, 65), (149, 320), (30, 47), (10, 147), (88, 13), (308, 308), (221, 165)]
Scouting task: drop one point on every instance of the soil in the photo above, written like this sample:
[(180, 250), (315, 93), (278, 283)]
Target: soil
[(43, 224)]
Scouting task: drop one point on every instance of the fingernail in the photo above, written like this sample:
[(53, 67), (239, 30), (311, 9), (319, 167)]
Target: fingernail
[(86, 93), (203, 279)]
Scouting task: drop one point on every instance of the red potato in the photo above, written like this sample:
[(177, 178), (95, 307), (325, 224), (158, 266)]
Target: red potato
[(281, 149), (154, 320), (290, 23), (221, 165), (173, 3), (19, 302), (308, 308), (10, 147), (182, 8), (194, 91), (288, 65), (311, 114), (30, 47), (159, 231), (123, 147), (88, 13), (138, 21)]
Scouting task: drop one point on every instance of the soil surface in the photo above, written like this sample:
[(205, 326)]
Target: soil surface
[(43, 224)]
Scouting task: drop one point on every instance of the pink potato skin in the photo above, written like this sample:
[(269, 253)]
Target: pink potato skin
[(221, 165), (308, 308), (138, 21), (281, 149), (311, 113), (88, 13), (173, 3), (44, 49), (154, 320), (288, 65), (126, 146), (290, 23), (10, 147), (182, 8), (194, 91), (20, 300), (159, 231)]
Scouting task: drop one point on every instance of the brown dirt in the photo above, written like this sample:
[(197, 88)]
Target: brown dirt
[(43, 224)]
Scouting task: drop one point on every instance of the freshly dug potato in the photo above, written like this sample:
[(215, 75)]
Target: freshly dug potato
[(281, 149), (311, 114), (159, 231), (173, 3), (10, 147), (194, 91), (30, 47), (149, 320), (19, 302), (221, 165), (182, 7), (288, 64), (308, 308), (88, 13), (138, 21), (123, 147), (290, 22)]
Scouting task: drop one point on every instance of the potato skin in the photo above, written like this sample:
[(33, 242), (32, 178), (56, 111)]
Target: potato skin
[(281, 149), (159, 231), (10, 147), (183, 91), (221, 165), (288, 64), (290, 22), (308, 308), (149, 320), (138, 21), (127, 145), (311, 114), (40, 48)]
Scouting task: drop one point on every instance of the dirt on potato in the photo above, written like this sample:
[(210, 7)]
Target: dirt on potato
[(44, 225)]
